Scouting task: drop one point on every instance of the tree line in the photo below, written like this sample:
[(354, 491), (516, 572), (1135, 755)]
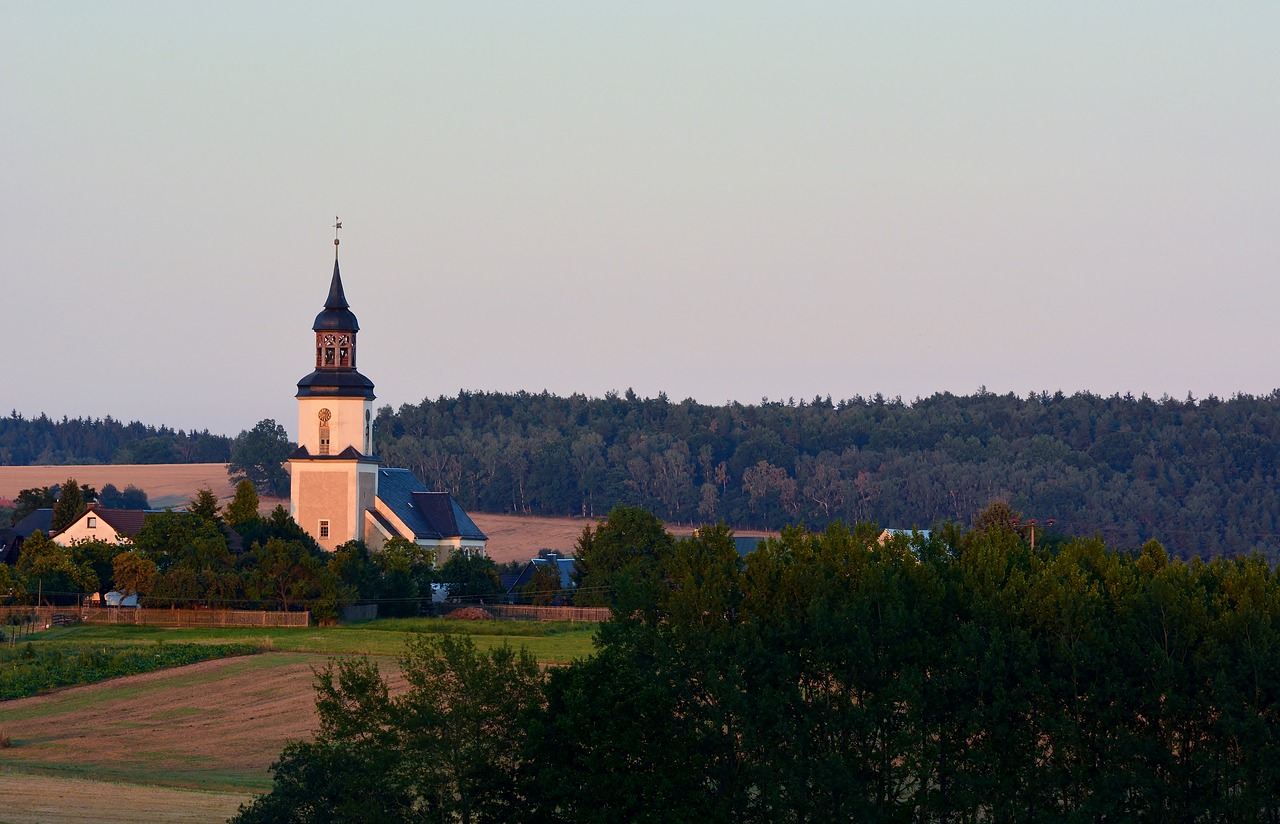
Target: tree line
[(1200, 475), (43, 440), (830, 676)]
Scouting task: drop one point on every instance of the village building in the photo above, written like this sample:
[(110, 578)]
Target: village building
[(113, 526), (119, 526), (338, 490)]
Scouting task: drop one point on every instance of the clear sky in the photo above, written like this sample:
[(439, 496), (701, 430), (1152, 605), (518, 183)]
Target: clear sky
[(719, 200)]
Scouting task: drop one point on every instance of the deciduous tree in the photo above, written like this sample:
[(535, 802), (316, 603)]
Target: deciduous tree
[(258, 455)]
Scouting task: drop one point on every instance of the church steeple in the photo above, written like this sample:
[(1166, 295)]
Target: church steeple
[(336, 327), (334, 473), (337, 314), (337, 298)]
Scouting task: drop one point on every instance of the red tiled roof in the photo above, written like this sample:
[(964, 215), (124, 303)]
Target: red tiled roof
[(126, 522)]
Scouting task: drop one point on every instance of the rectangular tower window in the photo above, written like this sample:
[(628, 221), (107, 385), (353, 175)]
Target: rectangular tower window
[(324, 529), (324, 440)]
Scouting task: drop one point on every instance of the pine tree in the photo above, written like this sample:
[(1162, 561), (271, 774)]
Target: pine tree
[(70, 505), (244, 506), (204, 504)]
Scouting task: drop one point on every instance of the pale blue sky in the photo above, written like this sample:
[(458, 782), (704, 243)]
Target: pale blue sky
[(723, 200)]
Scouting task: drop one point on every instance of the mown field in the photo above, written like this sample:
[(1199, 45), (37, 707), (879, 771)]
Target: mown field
[(196, 741)]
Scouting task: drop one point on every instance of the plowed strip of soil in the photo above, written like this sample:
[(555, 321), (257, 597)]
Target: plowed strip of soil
[(38, 799)]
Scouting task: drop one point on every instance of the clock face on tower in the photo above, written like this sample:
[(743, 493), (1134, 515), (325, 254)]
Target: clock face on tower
[(324, 415)]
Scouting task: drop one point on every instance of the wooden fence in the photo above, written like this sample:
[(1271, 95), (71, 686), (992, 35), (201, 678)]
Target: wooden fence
[(532, 613), (193, 617), (57, 616), (39, 616)]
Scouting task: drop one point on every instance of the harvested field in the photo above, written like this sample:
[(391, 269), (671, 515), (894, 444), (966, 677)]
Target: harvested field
[(519, 537), (38, 799), (216, 725), (165, 484)]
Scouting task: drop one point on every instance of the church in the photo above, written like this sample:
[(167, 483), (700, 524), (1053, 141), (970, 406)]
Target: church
[(338, 489)]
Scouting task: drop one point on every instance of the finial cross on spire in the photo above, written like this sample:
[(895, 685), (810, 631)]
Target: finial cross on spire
[(337, 224)]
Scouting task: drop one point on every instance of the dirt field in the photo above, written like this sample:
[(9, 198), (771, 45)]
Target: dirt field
[(186, 744), (216, 725)]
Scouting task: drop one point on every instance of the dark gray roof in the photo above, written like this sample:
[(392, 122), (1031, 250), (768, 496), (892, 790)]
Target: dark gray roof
[(337, 314), (565, 566), (342, 383), (9, 541), (348, 454), (41, 519), (430, 515)]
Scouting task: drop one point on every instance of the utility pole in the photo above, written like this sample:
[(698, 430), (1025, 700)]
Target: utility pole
[(1031, 525)]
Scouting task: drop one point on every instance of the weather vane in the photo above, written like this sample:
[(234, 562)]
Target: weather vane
[(337, 224)]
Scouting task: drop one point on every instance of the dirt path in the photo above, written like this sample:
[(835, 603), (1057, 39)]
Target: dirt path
[(38, 799)]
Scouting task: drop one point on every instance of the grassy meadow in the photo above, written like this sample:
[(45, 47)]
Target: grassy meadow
[(551, 642)]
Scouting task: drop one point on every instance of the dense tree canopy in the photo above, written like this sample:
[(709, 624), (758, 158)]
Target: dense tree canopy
[(43, 440), (131, 497), (1201, 476), (830, 676), (623, 560)]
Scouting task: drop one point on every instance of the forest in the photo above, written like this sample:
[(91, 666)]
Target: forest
[(43, 440), (828, 676), (1198, 475)]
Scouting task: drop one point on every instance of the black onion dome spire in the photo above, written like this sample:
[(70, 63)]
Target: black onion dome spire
[(337, 314), (340, 379)]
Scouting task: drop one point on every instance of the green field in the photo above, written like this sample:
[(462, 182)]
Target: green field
[(551, 642)]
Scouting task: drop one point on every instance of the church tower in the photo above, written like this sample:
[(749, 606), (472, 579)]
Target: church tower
[(333, 473)]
